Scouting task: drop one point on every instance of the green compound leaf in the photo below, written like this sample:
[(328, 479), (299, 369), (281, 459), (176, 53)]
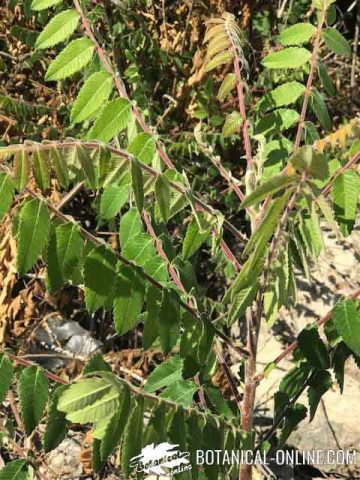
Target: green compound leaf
[(33, 395), (227, 85), (130, 226), (292, 57), (21, 169), (345, 194), (95, 91), (112, 120), (33, 232), (181, 392), (72, 59), (61, 27)]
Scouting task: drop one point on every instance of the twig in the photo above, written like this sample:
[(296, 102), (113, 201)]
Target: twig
[(355, 47), (310, 79), (133, 388), (284, 411), (177, 281), (341, 170), (126, 156), (295, 344)]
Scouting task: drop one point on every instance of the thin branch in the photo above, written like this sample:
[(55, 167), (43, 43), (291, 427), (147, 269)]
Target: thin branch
[(126, 156), (133, 388), (242, 107), (310, 80), (341, 170), (177, 281), (295, 344), (96, 241), (284, 411)]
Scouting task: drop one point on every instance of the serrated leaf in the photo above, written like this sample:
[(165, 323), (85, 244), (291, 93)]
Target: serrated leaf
[(42, 4), (133, 436), (345, 194), (219, 59), (95, 91), (181, 392), (194, 237), (21, 169), (6, 375), (60, 27), (115, 427), (56, 425), (33, 232), (73, 58), (130, 226), (325, 79), (314, 348), (292, 57), (294, 415), (347, 322), (129, 299), (6, 193), (318, 385), (33, 395), (112, 201), (293, 381), (233, 122), (163, 196), (169, 320), (15, 470), (165, 374), (41, 169), (297, 34), (341, 354), (284, 95), (272, 186), (227, 85), (335, 41), (89, 400), (319, 107), (143, 147), (277, 121), (100, 276), (112, 120), (140, 249), (271, 302), (59, 165), (240, 303), (64, 253), (137, 181), (259, 239)]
